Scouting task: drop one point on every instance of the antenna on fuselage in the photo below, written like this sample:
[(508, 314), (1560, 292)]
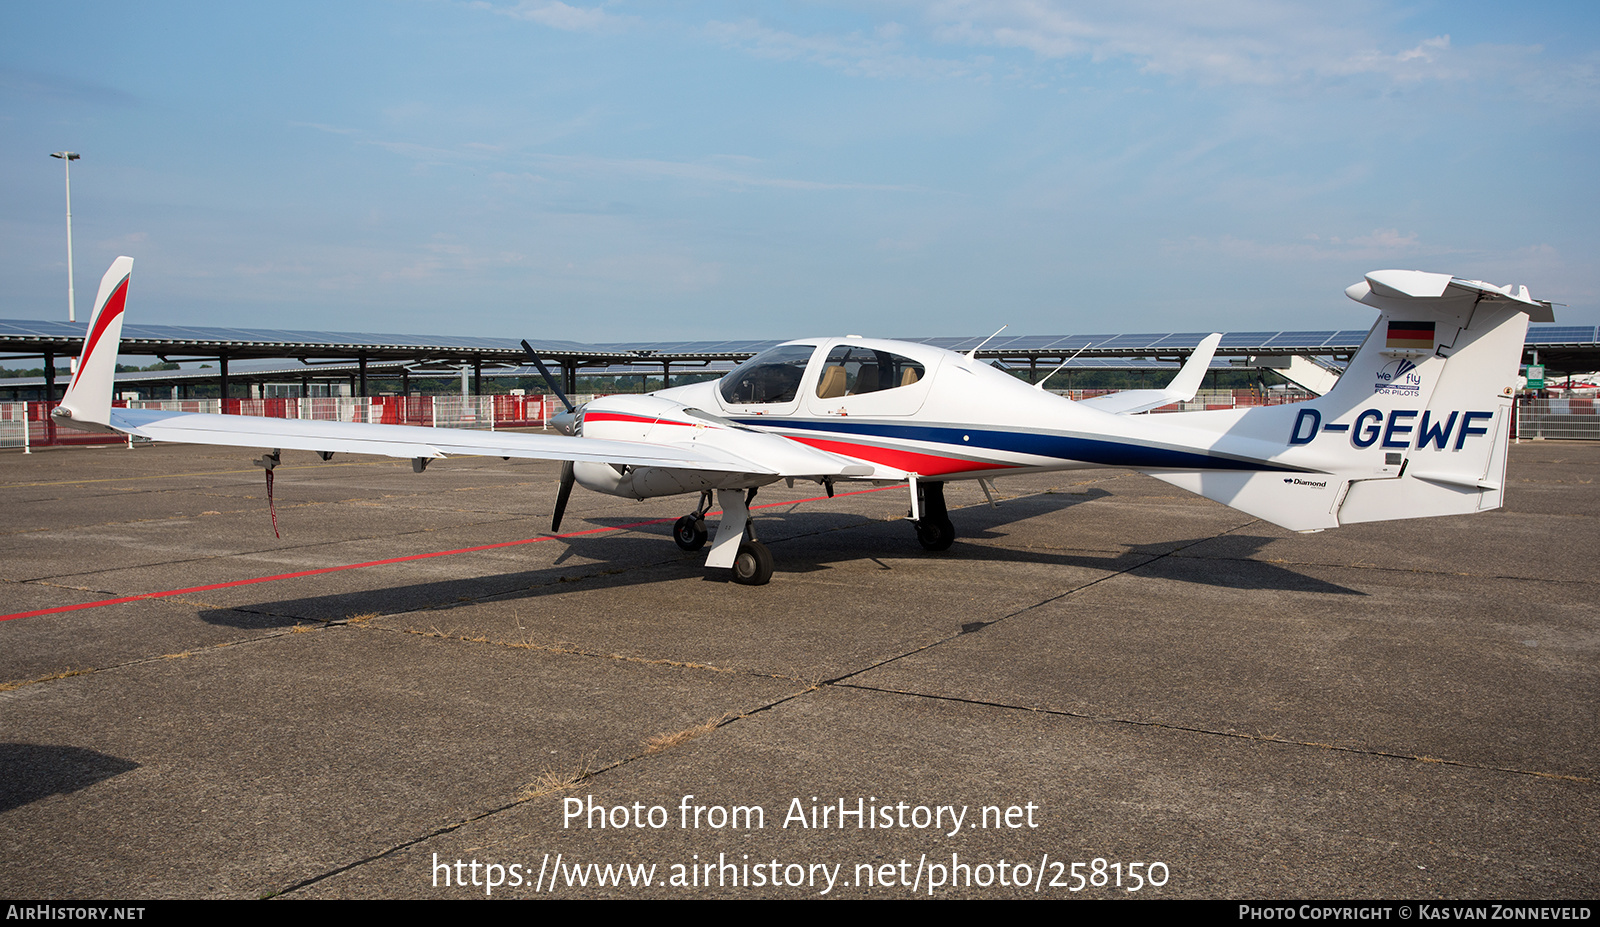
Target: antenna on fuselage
[(1040, 384), (973, 354)]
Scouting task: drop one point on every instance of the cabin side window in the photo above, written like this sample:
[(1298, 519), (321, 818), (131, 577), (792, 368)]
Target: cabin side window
[(852, 371)]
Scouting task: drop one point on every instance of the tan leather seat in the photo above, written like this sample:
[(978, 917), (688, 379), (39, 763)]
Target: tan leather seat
[(832, 384)]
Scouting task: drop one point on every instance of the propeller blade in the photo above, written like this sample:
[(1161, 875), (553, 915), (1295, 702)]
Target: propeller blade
[(544, 372), (562, 495)]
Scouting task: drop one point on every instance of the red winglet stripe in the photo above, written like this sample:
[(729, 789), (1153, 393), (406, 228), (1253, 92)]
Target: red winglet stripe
[(110, 311)]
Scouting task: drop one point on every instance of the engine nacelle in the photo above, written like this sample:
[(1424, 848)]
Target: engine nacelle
[(649, 482)]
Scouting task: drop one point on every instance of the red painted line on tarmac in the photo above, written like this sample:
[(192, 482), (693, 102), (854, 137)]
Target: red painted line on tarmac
[(405, 559)]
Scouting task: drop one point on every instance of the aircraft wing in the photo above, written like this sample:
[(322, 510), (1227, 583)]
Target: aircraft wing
[(418, 441), (1181, 389), (87, 405)]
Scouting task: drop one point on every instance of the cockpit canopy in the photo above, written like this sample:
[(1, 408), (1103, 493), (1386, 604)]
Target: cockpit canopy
[(778, 375), (773, 376)]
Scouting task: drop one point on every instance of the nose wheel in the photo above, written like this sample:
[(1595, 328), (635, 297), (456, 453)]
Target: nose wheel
[(690, 533)]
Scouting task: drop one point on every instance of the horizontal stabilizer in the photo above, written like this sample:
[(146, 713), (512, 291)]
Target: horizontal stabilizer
[(1181, 389), (1402, 289)]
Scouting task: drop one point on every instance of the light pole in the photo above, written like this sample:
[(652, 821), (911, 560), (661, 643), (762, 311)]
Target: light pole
[(67, 157)]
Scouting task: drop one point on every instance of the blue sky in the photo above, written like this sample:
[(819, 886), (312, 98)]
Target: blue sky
[(679, 170)]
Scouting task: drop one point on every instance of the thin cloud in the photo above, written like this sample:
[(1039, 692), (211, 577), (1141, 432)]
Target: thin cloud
[(558, 15), (57, 88), (698, 172), (880, 55), (324, 127), (537, 167), (1377, 245), (1249, 42), (1259, 42)]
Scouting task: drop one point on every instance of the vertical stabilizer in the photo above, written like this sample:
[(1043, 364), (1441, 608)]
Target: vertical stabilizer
[(1417, 426), (87, 403)]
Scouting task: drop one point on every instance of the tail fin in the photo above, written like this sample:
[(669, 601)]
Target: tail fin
[(87, 404), (1417, 426)]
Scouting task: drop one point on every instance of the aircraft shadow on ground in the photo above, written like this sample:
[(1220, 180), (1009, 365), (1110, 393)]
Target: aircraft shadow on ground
[(29, 772), (803, 542)]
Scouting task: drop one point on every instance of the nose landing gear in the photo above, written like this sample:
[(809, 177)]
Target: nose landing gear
[(934, 530), (690, 531)]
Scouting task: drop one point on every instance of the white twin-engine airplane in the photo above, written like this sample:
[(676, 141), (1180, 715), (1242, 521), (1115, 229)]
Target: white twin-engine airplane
[(1418, 425)]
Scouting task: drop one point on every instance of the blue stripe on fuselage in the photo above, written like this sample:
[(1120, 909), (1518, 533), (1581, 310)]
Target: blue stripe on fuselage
[(1057, 446)]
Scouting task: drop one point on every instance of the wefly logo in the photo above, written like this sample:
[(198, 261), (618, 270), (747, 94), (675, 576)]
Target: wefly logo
[(1399, 377)]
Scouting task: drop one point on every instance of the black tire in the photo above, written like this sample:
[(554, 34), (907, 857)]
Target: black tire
[(690, 533), (936, 533), (753, 565)]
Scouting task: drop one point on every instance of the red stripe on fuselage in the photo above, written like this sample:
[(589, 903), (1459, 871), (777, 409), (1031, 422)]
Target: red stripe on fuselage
[(909, 461), (625, 417), (111, 310)]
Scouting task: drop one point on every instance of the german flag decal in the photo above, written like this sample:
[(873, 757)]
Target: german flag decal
[(1417, 335)]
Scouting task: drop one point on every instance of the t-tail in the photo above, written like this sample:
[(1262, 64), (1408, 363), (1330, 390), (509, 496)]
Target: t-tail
[(87, 403), (1418, 425)]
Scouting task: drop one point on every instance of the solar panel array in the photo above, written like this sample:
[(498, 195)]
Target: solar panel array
[(184, 339)]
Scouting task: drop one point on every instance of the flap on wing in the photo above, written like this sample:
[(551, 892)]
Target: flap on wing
[(756, 452), (414, 440)]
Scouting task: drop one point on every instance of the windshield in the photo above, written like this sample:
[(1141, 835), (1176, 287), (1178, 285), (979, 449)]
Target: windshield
[(772, 376)]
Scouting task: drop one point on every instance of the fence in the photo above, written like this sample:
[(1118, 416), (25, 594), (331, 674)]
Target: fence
[(1573, 419), (28, 424)]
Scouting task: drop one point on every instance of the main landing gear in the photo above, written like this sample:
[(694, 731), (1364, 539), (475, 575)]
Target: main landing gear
[(753, 565), (736, 547), (934, 530)]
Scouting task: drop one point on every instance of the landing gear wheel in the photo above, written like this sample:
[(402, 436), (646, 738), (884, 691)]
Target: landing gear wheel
[(690, 533), (936, 533), (753, 565)]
